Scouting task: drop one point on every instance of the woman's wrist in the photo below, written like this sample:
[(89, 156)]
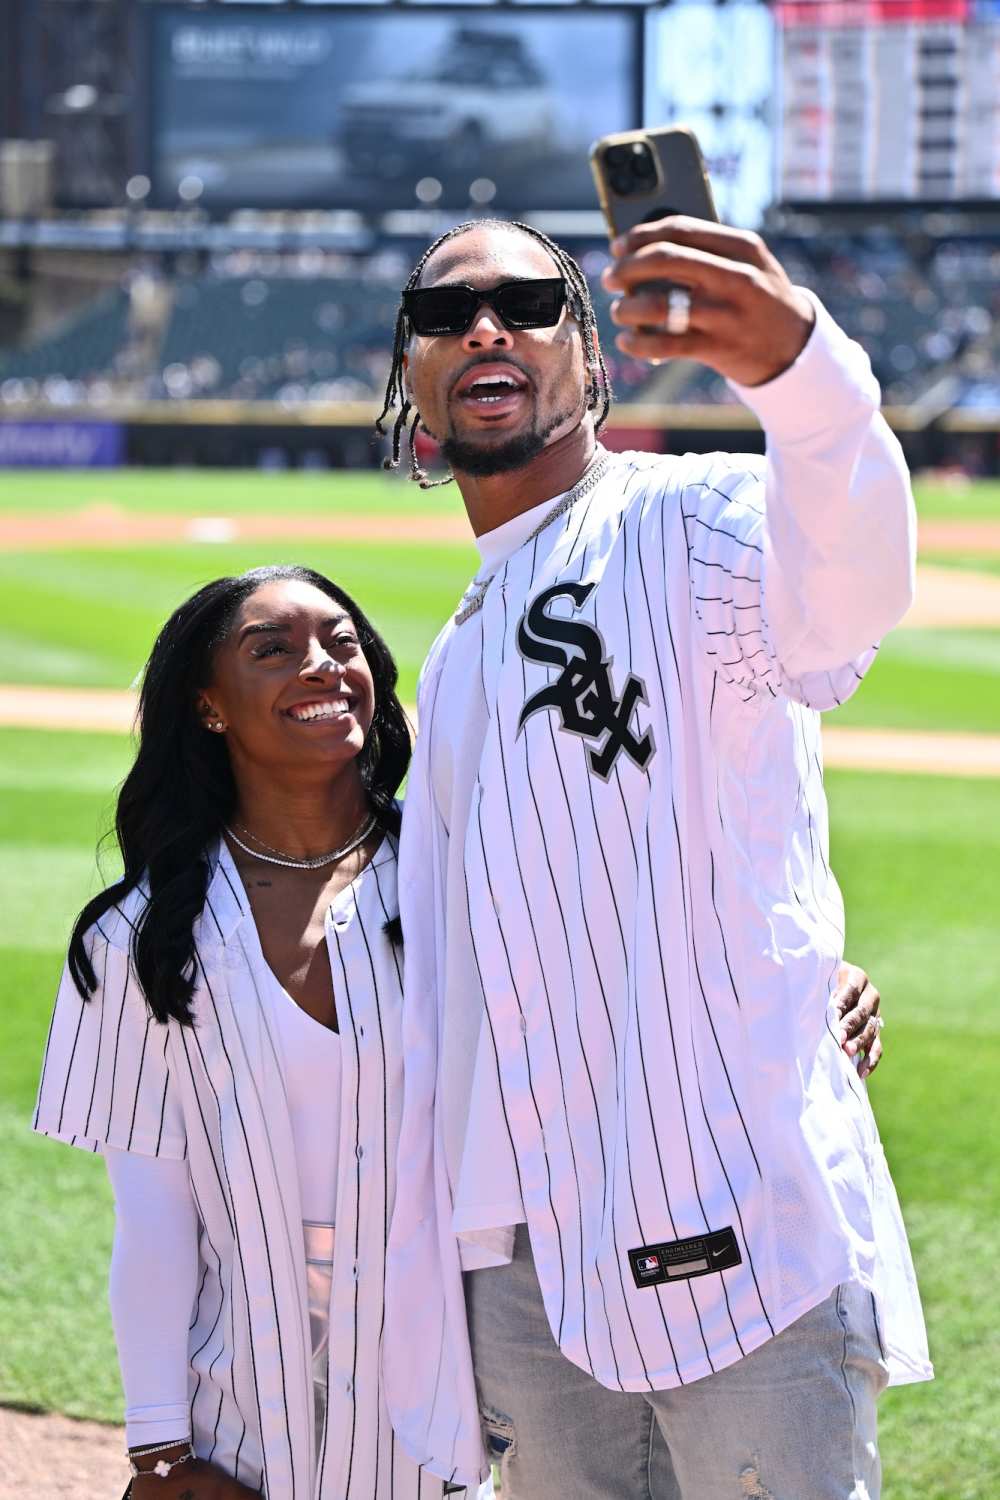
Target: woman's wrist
[(159, 1459)]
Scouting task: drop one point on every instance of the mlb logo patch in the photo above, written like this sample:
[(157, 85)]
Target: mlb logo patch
[(679, 1260)]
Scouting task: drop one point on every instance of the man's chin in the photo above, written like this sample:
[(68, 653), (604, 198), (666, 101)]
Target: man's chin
[(482, 460)]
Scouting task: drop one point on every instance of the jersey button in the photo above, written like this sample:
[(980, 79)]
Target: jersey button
[(522, 1026)]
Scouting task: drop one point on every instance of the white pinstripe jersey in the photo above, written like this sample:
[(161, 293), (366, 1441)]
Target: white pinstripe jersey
[(655, 923), (214, 1093)]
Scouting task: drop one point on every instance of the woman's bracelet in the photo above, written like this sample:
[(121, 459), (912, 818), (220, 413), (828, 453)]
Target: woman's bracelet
[(162, 1467)]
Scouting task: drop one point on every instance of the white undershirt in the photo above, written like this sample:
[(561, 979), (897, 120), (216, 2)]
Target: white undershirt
[(156, 1229), (481, 1165), (310, 1054)]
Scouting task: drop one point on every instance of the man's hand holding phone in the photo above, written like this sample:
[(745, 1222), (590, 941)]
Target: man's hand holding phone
[(746, 319)]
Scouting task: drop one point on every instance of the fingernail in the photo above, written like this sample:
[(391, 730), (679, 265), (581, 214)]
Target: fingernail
[(618, 246), (842, 1035), (851, 1048)]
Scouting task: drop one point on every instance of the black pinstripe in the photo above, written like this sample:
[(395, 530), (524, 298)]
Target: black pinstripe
[(114, 1065), (548, 998), (100, 1038), (611, 1030), (527, 1056), (357, 1202), (138, 1083), (687, 898), (236, 1236)]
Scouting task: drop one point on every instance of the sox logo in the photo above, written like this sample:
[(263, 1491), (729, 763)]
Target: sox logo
[(583, 693)]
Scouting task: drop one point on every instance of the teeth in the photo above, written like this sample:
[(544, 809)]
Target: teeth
[(494, 380), (325, 710)]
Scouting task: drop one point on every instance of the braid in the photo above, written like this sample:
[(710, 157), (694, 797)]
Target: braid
[(580, 304)]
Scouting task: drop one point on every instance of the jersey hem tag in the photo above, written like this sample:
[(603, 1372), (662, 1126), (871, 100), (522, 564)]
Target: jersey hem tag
[(680, 1260)]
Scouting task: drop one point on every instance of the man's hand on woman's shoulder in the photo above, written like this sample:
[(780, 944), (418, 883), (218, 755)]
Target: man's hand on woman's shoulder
[(858, 1002)]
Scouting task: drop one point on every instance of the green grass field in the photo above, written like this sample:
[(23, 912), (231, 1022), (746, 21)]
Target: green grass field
[(919, 859)]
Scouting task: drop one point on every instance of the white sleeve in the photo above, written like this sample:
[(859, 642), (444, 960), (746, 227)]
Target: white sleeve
[(155, 1246), (105, 1076), (840, 533), (800, 563)]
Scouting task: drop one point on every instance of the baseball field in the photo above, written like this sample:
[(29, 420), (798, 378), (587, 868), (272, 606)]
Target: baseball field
[(90, 565)]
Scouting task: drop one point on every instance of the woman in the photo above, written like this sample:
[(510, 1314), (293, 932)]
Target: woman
[(256, 1022), (227, 1033)]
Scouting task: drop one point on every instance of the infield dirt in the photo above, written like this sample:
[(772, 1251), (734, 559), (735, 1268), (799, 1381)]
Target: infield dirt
[(946, 599), (103, 526), (80, 1460)]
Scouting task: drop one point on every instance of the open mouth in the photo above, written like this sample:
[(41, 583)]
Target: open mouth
[(321, 710), (492, 391)]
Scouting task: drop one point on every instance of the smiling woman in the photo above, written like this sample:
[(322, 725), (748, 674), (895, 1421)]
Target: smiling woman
[(228, 1035)]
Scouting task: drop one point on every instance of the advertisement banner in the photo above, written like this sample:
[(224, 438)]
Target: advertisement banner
[(385, 110), (61, 445)]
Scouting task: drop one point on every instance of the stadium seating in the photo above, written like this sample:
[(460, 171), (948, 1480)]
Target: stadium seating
[(75, 354), (293, 338), (270, 329), (284, 338)]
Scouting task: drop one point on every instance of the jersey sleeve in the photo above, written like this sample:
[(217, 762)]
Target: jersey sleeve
[(724, 525), (105, 1074)]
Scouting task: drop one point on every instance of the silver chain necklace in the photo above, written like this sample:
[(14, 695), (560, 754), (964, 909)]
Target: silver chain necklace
[(475, 594), (316, 863)]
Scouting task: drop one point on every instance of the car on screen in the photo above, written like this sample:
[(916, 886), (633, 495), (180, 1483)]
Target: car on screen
[(482, 92)]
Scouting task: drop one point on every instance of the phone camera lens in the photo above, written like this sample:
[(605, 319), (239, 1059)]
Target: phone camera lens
[(622, 183), (617, 156), (642, 162)]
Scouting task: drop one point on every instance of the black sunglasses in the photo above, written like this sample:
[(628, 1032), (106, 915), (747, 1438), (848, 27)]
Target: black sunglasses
[(434, 310)]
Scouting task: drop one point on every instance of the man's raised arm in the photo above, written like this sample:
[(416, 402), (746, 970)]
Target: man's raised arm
[(839, 535)]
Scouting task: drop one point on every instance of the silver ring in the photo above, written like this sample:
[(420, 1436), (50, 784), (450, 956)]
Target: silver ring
[(678, 310), (879, 1022)]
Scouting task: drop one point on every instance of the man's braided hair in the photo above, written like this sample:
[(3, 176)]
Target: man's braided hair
[(579, 303)]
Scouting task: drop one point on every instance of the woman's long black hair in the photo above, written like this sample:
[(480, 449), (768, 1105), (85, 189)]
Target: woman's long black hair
[(181, 791)]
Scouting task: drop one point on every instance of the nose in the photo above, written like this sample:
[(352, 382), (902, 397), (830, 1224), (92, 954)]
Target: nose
[(318, 665), (487, 332)]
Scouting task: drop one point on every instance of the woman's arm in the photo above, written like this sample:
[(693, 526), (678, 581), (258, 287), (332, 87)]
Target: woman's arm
[(153, 1285)]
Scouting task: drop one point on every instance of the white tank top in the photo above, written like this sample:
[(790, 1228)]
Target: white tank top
[(310, 1054)]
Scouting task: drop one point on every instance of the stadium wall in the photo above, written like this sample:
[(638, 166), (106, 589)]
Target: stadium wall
[(226, 434)]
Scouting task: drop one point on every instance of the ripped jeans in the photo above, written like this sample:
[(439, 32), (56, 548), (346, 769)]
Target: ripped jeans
[(794, 1420)]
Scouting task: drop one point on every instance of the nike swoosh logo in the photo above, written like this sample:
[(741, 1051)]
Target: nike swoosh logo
[(716, 1253)]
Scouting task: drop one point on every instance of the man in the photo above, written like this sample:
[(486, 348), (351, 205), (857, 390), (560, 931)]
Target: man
[(628, 1117)]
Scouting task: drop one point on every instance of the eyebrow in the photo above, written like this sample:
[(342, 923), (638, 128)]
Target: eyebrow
[(272, 627)]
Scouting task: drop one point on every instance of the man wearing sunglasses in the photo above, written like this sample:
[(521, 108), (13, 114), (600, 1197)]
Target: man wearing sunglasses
[(629, 1119)]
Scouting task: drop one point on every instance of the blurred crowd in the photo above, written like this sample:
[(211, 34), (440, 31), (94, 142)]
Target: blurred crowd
[(317, 327)]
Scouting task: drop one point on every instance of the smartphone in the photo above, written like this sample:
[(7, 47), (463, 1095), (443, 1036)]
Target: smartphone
[(642, 175)]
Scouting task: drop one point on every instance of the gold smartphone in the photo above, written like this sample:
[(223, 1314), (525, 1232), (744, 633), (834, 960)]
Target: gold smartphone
[(643, 175)]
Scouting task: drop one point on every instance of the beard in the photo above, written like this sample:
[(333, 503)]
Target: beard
[(483, 461)]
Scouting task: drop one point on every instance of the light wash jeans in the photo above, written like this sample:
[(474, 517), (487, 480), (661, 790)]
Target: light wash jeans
[(794, 1420)]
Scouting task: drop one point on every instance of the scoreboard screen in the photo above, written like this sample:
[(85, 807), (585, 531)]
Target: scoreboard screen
[(383, 108), (889, 99)]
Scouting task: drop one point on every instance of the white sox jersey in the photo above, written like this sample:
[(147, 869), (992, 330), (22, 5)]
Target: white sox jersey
[(655, 928), (215, 1093)]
